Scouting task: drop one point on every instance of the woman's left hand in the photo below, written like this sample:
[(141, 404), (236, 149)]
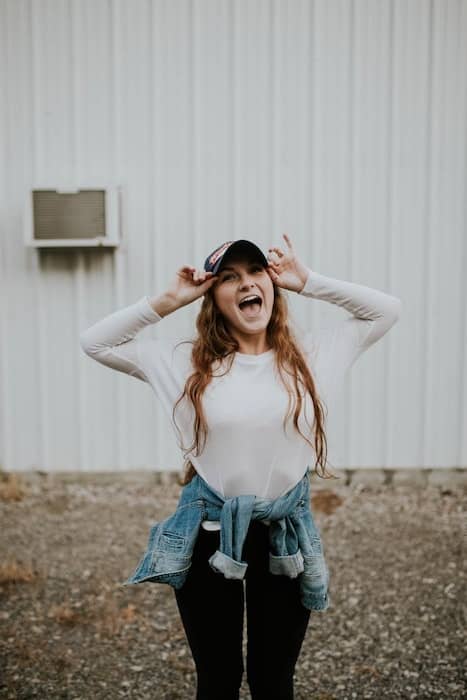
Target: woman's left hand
[(285, 269)]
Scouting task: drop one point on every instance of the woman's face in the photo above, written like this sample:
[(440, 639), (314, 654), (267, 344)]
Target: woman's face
[(239, 278)]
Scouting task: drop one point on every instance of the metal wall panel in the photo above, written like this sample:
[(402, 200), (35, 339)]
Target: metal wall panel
[(340, 122)]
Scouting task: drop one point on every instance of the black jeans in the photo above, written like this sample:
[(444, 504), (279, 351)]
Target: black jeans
[(212, 609)]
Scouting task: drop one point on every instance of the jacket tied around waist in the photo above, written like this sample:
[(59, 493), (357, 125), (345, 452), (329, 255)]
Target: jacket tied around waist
[(295, 546)]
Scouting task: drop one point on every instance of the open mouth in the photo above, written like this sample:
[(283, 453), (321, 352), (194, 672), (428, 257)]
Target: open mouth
[(252, 306)]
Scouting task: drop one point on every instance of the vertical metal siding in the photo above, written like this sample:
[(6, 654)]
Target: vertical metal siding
[(342, 123)]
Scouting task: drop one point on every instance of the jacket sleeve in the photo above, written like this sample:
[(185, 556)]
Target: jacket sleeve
[(336, 349), (113, 340)]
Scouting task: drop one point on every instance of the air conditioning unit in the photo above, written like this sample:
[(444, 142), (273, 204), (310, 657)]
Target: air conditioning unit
[(68, 217)]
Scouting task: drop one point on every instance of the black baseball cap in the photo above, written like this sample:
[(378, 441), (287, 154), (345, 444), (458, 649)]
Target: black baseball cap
[(214, 259)]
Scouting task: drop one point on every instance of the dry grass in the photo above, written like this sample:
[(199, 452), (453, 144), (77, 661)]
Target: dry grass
[(65, 614), (326, 501), (16, 572), (109, 618), (12, 487), (102, 611)]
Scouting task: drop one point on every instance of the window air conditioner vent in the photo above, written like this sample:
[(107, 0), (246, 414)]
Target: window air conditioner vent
[(72, 218)]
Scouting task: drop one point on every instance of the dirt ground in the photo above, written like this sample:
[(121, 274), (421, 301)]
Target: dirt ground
[(396, 627)]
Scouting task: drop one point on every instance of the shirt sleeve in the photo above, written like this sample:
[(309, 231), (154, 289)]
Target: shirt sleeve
[(113, 340), (334, 350)]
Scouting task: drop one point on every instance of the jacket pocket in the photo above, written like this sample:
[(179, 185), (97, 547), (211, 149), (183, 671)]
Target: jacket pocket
[(171, 541)]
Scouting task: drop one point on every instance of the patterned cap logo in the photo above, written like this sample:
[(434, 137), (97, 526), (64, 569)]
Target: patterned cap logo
[(220, 251)]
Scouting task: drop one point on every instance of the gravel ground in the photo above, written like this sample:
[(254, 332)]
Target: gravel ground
[(396, 627)]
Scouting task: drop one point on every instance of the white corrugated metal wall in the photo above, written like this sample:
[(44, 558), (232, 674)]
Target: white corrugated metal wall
[(340, 122)]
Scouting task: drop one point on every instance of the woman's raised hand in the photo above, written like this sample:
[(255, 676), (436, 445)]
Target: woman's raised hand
[(285, 269), (189, 284)]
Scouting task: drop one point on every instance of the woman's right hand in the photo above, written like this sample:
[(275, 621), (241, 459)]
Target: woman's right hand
[(189, 284)]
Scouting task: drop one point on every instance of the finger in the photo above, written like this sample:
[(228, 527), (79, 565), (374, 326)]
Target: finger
[(203, 276), (288, 241), (186, 272), (209, 282), (277, 251), (272, 273)]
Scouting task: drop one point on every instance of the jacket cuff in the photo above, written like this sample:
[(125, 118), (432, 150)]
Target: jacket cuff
[(289, 565), (224, 564)]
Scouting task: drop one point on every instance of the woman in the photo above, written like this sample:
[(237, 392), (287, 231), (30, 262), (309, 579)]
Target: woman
[(232, 386)]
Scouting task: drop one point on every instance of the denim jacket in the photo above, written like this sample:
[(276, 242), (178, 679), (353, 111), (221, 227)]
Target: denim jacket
[(295, 547)]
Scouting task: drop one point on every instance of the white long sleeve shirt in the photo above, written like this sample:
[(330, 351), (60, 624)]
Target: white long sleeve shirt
[(247, 450)]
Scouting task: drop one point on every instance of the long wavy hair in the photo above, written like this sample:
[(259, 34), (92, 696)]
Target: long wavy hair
[(213, 342)]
